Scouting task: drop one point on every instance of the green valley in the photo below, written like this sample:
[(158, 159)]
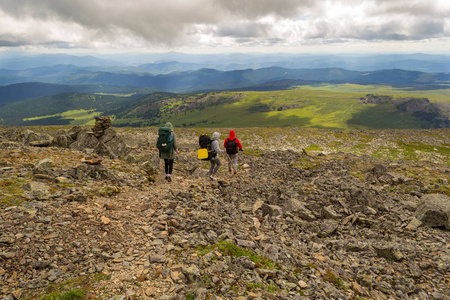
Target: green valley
[(332, 106)]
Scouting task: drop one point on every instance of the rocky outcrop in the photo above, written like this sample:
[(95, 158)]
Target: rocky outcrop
[(376, 99), (102, 139)]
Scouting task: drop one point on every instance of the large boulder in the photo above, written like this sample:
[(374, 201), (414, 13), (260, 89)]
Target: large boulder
[(85, 140), (114, 148), (108, 135), (62, 140), (28, 136), (74, 131), (379, 174), (118, 147), (86, 170), (434, 210), (299, 209)]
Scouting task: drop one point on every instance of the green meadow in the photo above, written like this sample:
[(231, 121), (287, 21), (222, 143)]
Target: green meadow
[(75, 117), (326, 106)]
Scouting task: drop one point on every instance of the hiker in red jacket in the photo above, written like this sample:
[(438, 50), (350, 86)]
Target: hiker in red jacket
[(232, 145)]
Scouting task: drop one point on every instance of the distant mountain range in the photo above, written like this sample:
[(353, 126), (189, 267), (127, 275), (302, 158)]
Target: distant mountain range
[(163, 63), (178, 72), (203, 80)]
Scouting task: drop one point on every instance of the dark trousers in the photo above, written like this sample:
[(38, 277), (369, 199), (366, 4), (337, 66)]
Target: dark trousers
[(168, 165)]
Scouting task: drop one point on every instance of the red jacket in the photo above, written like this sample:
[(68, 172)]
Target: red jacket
[(232, 136)]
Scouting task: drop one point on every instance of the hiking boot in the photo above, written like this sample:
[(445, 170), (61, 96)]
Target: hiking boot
[(212, 177), (169, 179)]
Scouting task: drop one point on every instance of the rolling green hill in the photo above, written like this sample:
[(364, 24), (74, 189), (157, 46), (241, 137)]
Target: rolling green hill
[(318, 106), (60, 109), (30, 90)]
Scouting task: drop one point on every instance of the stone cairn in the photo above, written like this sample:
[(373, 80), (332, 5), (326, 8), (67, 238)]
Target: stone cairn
[(101, 124)]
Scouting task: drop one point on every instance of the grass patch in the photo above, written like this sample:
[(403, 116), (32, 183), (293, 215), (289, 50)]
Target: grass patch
[(313, 148), (334, 279), (190, 296), (253, 286), (307, 163), (229, 249), (77, 288), (101, 276), (108, 191), (11, 192), (412, 151), (71, 294)]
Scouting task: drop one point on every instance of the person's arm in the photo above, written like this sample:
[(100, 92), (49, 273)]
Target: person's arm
[(239, 145), (175, 145), (215, 146)]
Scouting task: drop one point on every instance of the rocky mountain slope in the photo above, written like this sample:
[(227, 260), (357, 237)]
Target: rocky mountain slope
[(312, 214)]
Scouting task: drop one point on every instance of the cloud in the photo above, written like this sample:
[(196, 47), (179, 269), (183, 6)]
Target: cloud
[(217, 23), (240, 30)]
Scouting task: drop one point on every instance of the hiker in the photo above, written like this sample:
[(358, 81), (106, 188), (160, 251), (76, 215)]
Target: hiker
[(232, 145), (215, 161), (167, 147)]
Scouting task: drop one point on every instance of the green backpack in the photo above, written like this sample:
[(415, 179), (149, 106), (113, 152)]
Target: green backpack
[(165, 140)]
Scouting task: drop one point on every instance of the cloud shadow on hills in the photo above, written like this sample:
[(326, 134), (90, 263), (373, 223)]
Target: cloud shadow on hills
[(48, 121), (378, 117)]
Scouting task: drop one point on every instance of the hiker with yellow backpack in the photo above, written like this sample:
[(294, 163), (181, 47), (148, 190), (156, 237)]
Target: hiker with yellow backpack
[(209, 148), (215, 161)]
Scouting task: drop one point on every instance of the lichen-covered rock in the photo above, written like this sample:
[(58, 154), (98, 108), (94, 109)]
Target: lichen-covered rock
[(434, 210), (37, 191)]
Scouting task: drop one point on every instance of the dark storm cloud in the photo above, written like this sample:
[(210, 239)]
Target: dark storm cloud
[(8, 42)]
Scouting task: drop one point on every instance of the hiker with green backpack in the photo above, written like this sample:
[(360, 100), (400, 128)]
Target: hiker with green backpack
[(167, 147)]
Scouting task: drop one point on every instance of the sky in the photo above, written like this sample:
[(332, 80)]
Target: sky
[(220, 26)]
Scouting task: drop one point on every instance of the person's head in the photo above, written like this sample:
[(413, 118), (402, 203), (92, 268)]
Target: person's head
[(168, 124), (232, 134), (216, 136)]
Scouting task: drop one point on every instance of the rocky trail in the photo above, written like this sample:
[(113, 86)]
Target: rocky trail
[(293, 224)]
